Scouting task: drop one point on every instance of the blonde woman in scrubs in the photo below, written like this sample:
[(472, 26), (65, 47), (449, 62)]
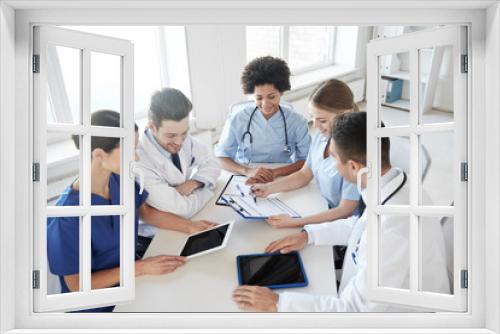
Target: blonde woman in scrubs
[(329, 99)]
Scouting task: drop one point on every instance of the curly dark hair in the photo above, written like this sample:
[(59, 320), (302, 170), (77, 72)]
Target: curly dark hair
[(265, 70)]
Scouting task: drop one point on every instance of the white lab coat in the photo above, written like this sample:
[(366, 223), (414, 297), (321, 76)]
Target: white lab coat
[(161, 176), (352, 295)]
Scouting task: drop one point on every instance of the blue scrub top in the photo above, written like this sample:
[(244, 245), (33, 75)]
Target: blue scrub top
[(63, 235), (332, 185), (268, 136)]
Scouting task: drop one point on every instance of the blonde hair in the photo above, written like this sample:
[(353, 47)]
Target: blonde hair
[(334, 96)]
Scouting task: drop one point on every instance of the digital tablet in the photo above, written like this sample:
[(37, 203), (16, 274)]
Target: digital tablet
[(272, 270), (207, 241)]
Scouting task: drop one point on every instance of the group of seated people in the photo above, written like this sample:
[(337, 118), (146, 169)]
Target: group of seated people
[(180, 174)]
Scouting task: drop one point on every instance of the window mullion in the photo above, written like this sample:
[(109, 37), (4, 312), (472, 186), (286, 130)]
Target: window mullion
[(285, 43), (85, 181), (413, 177), (333, 45), (161, 46)]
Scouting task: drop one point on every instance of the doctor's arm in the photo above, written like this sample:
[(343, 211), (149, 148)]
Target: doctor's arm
[(156, 265), (327, 234), (170, 221), (207, 166), (343, 210), (290, 182)]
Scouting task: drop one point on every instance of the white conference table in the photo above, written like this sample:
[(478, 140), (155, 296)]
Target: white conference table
[(206, 283)]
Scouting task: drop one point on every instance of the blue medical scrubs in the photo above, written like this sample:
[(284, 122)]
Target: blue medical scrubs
[(63, 235), (268, 137), (332, 185)]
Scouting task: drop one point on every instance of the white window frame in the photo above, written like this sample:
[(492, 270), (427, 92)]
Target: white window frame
[(483, 123), (455, 37), (44, 39)]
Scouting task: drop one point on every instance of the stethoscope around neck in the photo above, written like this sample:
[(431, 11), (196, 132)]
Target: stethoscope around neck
[(287, 149)]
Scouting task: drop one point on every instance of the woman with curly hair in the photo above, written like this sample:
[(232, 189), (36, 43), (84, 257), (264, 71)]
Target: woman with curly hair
[(264, 130)]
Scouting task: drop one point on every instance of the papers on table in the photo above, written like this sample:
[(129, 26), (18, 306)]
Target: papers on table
[(237, 195)]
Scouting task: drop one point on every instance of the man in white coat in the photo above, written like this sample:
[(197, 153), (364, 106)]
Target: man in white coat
[(180, 172), (348, 147)]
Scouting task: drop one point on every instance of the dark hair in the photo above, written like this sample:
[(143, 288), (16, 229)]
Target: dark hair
[(334, 96), (108, 118), (265, 70), (349, 134), (169, 104)]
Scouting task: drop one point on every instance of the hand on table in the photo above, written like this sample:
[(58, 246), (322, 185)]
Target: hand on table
[(187, 188), (199, 225), (158, 265), (260, 175), (255, 298), (294, 242)]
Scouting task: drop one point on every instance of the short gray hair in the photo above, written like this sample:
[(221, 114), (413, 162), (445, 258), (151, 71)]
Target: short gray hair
[(169, 104)]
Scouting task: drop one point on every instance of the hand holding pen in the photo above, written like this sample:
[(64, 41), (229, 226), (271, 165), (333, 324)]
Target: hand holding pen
[(261, 190), (243, 194)]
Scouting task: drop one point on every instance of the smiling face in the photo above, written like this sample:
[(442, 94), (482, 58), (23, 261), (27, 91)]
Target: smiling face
[(267, 98), (322, 119), (171, 134)]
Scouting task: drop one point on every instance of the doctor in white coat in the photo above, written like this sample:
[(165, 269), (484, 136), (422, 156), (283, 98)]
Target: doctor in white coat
[(180, 172), (348, 147)]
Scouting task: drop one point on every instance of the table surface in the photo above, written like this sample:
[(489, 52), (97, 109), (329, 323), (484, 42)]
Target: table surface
[(206, 283)]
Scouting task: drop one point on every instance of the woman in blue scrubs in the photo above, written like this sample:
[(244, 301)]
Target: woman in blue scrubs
[(63, 232), (264, 131), (328, 100)]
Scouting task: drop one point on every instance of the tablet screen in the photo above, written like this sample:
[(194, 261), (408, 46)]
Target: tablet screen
[(205, 240), (271, 269)]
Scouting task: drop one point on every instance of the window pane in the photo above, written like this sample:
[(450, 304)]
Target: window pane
[(110, 156), (63, 251), (346, 44), (310, 47), (263, 41), (105, 82), (436, 85), (437, 174), (394, 89), (399, 157), (147, 68), (437, 254), (63, 84), (63, 165), (105, 236), (394, 258)]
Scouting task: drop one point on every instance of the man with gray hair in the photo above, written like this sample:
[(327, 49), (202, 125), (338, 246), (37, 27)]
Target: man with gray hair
[(180, 173)]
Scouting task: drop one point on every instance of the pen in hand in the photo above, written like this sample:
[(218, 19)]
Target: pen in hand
[(252, 193), (241, 191)]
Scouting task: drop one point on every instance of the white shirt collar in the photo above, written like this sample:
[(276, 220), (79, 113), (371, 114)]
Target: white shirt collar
[(389, 182)]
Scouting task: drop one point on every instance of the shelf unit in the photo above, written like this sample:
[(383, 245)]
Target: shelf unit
[(395, 67)]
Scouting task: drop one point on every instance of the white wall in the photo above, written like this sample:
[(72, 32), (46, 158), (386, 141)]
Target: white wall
[(217, 56), (7, 168), (492, 73)]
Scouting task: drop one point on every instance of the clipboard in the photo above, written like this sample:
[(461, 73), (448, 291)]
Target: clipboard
[(232, 179), (247, 209)]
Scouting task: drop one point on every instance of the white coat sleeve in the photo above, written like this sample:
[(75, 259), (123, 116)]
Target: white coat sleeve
[(164, 197), (208, 168), (332, 233), (352, 299)]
